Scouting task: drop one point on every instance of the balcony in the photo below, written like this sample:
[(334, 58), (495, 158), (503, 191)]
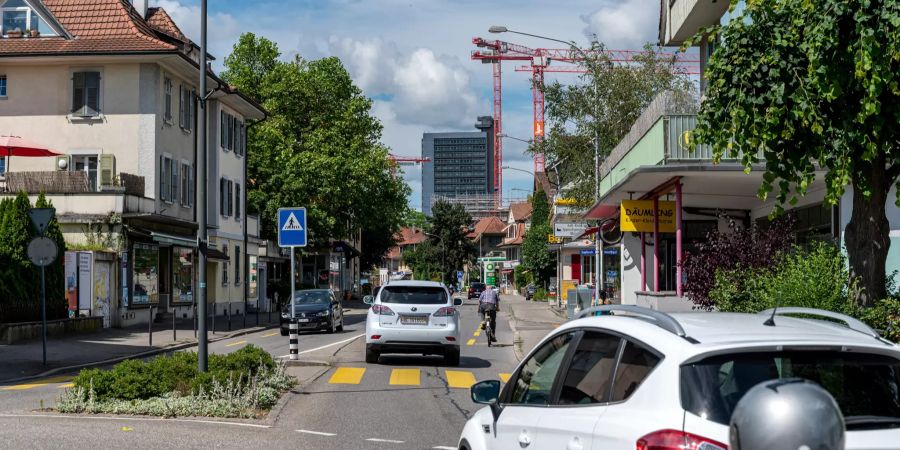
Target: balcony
[(681, 19), (72, 197)]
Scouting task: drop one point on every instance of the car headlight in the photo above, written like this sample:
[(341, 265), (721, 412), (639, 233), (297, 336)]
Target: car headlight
[(285, 315), (322, 313)]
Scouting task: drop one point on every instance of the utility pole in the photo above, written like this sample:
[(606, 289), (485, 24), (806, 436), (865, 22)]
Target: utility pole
[(202, 351)]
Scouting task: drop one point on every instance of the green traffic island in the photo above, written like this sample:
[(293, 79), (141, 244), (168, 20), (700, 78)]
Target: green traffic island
[(244, 384)]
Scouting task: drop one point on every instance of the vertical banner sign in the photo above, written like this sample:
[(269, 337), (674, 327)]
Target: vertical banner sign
[(71, 280), (85, 281), (637, 216)]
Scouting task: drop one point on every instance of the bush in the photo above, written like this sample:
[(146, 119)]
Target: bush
[(884, 316), (540, 295)]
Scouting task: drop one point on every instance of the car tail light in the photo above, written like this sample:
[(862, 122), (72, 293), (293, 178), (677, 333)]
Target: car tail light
[(451, 338), (382, 310), (445, 311), (376, 337), (677, 440)]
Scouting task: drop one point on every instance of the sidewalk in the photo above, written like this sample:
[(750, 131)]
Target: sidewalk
[(530, 321), (23, 360)]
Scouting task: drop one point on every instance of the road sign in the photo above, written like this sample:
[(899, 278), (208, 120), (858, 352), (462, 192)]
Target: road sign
[(459, 274), (42, 251), (40, 218), (292, 230)]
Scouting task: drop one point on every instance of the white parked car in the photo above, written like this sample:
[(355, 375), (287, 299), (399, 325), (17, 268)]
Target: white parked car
[(642, 379), (418, 317)]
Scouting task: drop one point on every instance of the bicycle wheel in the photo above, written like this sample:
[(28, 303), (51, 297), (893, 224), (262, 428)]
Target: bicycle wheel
[(489, 334)]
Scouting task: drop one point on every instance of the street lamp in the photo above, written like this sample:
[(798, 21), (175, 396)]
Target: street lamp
[(527, 141), (517, 169), (575, 48)]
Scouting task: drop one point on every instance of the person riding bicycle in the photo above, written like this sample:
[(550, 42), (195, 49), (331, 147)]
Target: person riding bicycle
[(488, 304)]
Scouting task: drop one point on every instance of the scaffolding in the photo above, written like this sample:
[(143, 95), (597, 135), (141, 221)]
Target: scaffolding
[(480, 206)]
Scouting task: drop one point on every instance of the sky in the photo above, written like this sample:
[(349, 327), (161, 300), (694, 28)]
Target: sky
[(412, 56)]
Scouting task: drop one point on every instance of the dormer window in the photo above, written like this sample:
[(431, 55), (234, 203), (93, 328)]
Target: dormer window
[(16, 15)]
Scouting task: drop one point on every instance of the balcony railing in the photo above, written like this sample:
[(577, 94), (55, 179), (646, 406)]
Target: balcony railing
[(69, 182)]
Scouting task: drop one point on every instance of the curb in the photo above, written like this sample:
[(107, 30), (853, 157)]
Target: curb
[(305, 363), (156, 351)]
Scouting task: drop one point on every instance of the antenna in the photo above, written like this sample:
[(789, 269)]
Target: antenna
[(770, 322)]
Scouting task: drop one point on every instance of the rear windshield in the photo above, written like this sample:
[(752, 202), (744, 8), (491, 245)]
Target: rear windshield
[(414, 295), (866, 387), (478, 285)]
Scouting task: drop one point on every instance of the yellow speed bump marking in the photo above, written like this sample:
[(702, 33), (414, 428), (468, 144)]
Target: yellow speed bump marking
[(405, 377), (235, 343), (477, 333), (460, 379), (126, 428), (270, 334), (347, 375), (38, 383), (470, 341), (505, 377)]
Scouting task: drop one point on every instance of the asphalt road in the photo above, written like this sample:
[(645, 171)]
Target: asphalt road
[(404, 402)]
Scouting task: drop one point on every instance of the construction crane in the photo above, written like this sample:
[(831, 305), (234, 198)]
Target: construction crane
[(408, 160), (539, 63)]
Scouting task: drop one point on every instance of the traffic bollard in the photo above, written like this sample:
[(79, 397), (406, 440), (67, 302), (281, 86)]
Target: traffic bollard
[(294, 345)]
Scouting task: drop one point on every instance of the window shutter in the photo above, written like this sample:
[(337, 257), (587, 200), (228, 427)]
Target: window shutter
[(107, 170), (78, 93), (181, 106), (222, 196), (222, 129), (92, 92), (242, 139), (230, 199), (192, 102), (191, 186), (163, 179), (237, 201), (173, 176)]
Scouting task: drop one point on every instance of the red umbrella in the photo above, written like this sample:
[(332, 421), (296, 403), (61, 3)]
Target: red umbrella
[(16, 146)]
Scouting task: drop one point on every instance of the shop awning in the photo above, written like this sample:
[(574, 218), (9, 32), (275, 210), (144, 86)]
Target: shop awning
[(344, 247), (601, 211), (214, 253), (172, 239)]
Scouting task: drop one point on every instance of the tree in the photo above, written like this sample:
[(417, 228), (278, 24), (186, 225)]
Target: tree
[(806, 85), (319, 148), (447, 235), (536, 257), (609, 100)]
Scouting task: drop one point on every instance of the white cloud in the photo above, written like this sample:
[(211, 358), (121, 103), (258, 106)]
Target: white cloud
[(626, 24)]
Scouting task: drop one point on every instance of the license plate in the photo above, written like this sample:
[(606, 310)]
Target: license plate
[(302, 320), (414, 320)]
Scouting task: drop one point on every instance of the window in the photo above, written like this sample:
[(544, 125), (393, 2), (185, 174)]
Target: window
[(187, 185), (231, 133), (16, 15), (2, 165), (534, 382), (226, 189), (634, 366), (86, 94), (167, 86), (88, 165), (169, 177), (590, 373), (2, 86), (185, 108), (225, 266), (237, 201), (414, 295), (237, 265)]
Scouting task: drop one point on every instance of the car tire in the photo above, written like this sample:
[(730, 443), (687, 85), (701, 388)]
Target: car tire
[(451, 357), (372, 356), (284, 331)]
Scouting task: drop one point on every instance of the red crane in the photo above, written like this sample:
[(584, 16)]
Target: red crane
[(408, 160), (539, 63)]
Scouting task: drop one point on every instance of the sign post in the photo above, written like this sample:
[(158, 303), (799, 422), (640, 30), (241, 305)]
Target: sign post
[(292, 233), (42, 251)]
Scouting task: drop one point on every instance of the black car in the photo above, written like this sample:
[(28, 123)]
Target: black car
[(529, 291), (314, 310), (475, 290)]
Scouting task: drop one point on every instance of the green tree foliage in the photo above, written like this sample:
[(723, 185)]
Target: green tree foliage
[(803, 85), (536, 258), (416, 219), (319, 148), (20, 299), (608, 101), (448, 243)]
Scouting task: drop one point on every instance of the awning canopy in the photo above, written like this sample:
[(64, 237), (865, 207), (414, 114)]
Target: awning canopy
[(601, 211), (173, 239), (214, 253)]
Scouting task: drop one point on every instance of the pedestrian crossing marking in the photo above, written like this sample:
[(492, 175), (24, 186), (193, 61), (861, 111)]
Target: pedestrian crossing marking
[(270, 334), (477, 333), (471, 342), (347, 375), (292, 224), (405, 377), (38, 383), (235, 343), (460, 379), (505, 377)]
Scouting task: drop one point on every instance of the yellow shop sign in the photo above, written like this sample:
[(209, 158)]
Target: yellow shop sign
[(637, 215)]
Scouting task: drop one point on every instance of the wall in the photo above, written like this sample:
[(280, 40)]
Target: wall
[(649, 151)]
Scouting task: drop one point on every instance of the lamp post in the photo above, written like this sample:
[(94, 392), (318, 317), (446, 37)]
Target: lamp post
[(527, 141), (202, 351), (598, 250)]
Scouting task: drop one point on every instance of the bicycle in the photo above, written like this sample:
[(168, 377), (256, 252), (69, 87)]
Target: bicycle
[(488, 329)]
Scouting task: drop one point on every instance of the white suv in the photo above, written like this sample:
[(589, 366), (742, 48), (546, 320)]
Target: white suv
[(640, 379), (413, 317)]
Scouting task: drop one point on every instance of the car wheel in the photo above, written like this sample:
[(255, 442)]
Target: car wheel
[(284, 331), (451, 357), (371, 356)]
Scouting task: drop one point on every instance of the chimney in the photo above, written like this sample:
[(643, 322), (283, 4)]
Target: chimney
[(141, 7)]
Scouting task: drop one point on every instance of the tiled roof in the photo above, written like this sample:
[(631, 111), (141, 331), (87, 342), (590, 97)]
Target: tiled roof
[(488, 225), (519, 239), (411, 236), (98, 26), (160, 20), (520, 211)]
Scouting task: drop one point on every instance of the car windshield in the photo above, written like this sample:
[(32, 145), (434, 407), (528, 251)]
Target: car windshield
[(866, 387), (414, 295), (477, 285), (312, 298)]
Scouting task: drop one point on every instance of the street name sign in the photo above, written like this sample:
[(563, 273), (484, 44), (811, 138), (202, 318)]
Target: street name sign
[(292, 230)]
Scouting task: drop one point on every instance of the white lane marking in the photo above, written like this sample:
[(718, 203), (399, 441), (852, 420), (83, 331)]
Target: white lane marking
[(318, 433), (326, 346), (441, 447), (136, 419), (389, 441)]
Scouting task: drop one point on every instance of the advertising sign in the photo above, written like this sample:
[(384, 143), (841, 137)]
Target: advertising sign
[(637, 215), (85, 280), (569, 229), (71, 280)]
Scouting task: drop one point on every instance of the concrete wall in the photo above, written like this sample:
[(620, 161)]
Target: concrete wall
[(12, 333), (649, 151)]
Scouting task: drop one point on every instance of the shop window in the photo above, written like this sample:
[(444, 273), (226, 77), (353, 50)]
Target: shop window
[(183, 275), (145, 275)]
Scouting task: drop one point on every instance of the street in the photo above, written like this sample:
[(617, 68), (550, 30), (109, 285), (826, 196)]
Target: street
[(405, 402)]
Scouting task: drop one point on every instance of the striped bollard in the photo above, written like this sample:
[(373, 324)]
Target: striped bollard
[(295, 347)]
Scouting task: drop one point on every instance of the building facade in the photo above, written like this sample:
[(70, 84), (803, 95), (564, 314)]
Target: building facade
[(462, 167)]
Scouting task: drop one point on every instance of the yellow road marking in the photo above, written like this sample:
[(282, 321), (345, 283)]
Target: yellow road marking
[(405, 377), (66, 386), (270, 334), (347, 375), (235, 343), (38, 383), (477, 333), (460, 379), (505, 377), (471, 342)]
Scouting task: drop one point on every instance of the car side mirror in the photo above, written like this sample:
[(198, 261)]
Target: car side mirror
[(486, 392), (368, 299), (457, 302)]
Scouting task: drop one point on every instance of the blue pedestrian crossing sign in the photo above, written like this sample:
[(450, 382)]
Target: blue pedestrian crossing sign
[(292, 227)]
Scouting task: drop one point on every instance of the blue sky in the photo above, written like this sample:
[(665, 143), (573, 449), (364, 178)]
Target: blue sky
[(412, 56)]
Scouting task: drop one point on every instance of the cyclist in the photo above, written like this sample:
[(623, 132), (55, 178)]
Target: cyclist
[(488, 304)]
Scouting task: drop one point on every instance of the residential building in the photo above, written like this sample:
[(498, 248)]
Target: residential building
[(462, 168), (112, 87), (516, 226), (395, 267)]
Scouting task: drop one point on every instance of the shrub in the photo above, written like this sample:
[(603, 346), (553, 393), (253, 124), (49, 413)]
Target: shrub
[(884, 316)]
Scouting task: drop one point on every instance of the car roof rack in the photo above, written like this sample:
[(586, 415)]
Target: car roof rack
[(851, 323), (660, 319)]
